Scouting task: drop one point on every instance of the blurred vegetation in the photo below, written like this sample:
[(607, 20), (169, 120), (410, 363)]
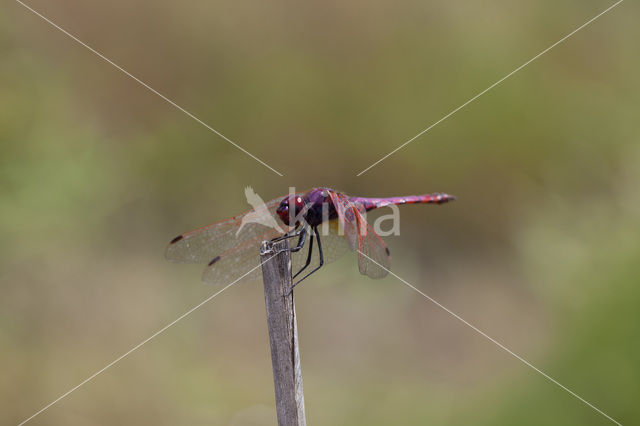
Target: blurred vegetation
[(541, 250)]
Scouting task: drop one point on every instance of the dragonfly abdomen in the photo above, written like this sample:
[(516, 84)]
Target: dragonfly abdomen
[(374, 203)]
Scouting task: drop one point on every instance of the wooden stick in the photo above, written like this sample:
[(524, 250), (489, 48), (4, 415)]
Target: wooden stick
[(283, 333)]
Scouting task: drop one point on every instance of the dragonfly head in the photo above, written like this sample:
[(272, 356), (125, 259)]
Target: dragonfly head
[(290, 208)]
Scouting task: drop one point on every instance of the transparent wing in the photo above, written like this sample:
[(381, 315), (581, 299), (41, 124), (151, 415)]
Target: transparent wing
[(346, 217), (244, 260), (238, 262), (204, 244), (374, 259)]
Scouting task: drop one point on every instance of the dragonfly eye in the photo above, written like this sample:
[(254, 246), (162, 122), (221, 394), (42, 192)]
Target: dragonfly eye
[(297, 206), (283, 211)]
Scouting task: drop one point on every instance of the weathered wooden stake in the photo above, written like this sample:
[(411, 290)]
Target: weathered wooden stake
[(283, 333)]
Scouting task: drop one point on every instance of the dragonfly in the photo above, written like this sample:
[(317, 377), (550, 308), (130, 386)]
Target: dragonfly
[(330, 220)]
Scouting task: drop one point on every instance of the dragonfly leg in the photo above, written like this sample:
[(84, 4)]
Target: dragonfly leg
[(301, 240), (291, 234), (308, 262), (315, 231)]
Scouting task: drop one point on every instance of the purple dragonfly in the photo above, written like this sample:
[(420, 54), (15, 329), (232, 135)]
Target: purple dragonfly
[(328, 219)]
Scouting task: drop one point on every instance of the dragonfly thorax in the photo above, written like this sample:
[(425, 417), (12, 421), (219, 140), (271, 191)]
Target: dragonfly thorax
[(313, 208)]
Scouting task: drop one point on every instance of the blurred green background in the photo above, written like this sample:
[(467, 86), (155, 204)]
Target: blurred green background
[(541, 250)]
